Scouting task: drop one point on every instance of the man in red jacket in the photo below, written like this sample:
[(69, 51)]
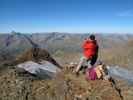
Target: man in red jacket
[(90, 52)]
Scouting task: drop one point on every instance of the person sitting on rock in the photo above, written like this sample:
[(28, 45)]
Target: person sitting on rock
[(90, 52)]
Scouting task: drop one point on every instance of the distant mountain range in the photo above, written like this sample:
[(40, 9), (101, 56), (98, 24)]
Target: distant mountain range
[(18, 42)]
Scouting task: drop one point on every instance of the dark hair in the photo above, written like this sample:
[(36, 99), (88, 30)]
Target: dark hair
[(92, 37)]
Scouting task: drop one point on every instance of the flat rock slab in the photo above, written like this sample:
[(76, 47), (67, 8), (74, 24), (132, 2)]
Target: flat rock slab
[(43, 69)]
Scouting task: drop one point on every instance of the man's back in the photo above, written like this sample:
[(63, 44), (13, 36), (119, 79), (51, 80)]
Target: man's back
[(90, 48)]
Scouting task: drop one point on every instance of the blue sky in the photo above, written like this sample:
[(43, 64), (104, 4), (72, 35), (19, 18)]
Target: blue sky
[(66, 16)]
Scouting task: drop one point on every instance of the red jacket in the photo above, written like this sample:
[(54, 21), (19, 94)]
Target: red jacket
[(90, 48)]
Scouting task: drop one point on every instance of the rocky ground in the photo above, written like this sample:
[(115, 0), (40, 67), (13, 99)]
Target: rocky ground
[(66, 86)]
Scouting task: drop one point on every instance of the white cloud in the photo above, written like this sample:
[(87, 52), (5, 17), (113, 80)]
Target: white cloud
[(127, 13)]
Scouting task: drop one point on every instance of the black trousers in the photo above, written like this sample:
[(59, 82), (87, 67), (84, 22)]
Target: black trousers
[(93, 59)]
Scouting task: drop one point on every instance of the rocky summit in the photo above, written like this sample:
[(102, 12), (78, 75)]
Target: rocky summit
[(65, 86)]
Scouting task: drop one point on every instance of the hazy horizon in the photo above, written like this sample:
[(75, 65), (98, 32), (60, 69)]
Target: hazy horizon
[(102, 33)]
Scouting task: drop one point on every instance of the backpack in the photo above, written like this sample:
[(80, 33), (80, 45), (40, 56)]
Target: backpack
[(91, 74)]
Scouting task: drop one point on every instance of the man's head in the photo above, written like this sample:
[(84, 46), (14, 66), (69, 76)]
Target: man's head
[(92, 37)]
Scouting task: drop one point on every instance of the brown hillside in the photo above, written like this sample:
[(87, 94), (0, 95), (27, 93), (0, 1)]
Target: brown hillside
[(36, 54)]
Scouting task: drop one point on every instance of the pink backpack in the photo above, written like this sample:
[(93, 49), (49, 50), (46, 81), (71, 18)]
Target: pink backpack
[(91, 74)]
